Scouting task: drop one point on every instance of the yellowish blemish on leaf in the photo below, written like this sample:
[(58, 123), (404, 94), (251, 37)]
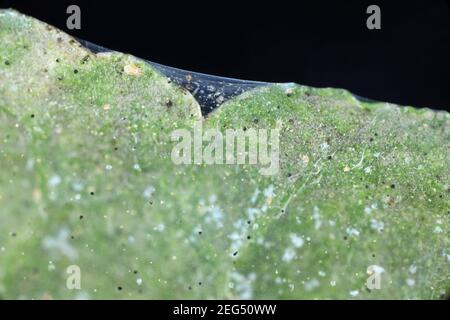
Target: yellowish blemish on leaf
[(37, 195), (132, 70), (305, 159)]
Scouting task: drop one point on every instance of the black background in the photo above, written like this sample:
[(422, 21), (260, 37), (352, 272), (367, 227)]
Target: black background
[(163, 309), (318, 43)]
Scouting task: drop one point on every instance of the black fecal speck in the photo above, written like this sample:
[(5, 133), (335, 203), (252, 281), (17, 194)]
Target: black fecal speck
[(7, 63), (169, 104)]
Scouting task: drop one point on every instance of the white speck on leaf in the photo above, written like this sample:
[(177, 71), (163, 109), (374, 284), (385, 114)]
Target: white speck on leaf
[(288, 254), (352, 232), (312, 284), (296, 240), (354, 293), (413, 269), (59, 244), (377, 225), (148, 192), (54, 181), (410, 282)]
